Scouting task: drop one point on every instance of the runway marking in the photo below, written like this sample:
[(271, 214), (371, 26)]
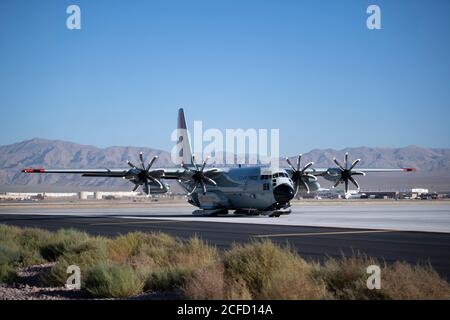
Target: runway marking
[(320, 233), (134, 222)]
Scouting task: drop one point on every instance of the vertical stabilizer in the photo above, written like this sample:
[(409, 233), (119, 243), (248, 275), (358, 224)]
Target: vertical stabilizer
[(184, 151)]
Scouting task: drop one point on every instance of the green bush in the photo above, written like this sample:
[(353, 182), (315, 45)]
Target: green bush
[(84, 255), (167, 279), (7, 274), (27, 241), (9, 255), (112, 281), (66, 242)]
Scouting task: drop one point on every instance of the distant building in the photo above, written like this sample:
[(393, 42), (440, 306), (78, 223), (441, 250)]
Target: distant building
[(418, 192)]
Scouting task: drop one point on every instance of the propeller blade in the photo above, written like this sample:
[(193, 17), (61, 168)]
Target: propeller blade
[(156, 181), (346, 160), (194, 163), (338, 164), (146, 188), (358, 173), (354, 164), (307, 166), (311, 176), (203, 186), (306, 185), (337, 183), (210, 180), (355, 183), (193, 189), (131, 164), (136, 186), (346, 186), (299, 160), (151, 163), (297, 186), (141, 157), (182, 184), (290, 163), (204, 163)]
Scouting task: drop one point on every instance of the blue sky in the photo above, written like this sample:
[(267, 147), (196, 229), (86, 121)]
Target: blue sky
[(310, 68)]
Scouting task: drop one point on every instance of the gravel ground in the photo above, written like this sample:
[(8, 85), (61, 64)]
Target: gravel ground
[(30, 288)]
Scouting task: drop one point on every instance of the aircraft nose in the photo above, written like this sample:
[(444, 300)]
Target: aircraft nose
[(283, 193)]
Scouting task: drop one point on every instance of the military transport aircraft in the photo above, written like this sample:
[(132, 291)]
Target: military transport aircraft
[(246, 190)]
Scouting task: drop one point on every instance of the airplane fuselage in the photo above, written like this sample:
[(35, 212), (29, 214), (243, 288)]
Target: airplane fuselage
[(248, 188)]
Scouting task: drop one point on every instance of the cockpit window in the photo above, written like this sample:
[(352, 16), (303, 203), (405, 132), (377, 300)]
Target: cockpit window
[(281, 174)]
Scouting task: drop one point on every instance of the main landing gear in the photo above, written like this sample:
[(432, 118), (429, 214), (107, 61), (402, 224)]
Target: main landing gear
[(209, 212)]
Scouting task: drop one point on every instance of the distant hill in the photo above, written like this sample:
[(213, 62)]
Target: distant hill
[(61, 154), (433, 165), (424, 159)]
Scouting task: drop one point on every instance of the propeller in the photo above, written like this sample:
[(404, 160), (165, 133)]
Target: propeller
[(142, 176), (300, 176), (346, 173), (199, 176)]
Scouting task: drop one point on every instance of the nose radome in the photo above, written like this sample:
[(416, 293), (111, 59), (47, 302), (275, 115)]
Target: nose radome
[(283, 193)]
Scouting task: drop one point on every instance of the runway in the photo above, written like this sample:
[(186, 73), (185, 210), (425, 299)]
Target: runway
[(392, 232)]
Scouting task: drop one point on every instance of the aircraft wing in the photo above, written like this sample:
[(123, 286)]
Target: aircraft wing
[(321, 171), (325, 171), (388, 170), (115, 173)]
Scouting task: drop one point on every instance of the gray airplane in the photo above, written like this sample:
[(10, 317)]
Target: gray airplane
[(245, 190)]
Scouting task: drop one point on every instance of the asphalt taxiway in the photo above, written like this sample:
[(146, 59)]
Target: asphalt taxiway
[(415, 233)]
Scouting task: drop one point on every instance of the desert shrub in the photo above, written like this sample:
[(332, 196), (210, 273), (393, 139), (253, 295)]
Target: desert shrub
[(8, 258), (196, 254), (205, 284), (65, 241), (136, 246), (9, 255), (346, 277), (166, 279), (112, 281), (26, 241), (7, 274), (402, 281), (209, 284), (272, 272), (84, 255)]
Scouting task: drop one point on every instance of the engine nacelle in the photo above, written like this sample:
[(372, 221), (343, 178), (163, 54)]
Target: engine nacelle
[(332, 174), (313, 186)]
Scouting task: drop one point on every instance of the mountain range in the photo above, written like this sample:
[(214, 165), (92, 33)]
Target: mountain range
[(432, 164)]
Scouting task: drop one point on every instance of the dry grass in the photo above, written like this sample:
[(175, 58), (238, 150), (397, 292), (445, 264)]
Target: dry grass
[(346, 278), (402, 281), (134, 262), (272, 272), (210, 284)]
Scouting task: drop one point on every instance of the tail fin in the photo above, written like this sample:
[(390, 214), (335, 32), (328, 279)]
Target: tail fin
[(183, 147)]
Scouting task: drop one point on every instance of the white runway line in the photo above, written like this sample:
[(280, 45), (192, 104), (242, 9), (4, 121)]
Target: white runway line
[(319, 233)]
